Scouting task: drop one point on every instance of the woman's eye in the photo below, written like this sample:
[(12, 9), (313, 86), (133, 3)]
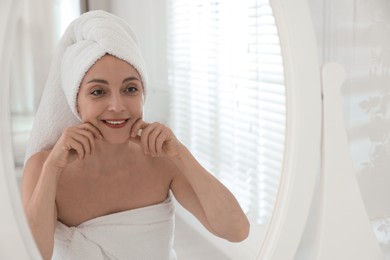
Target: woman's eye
[(131, 90), (97, 92)]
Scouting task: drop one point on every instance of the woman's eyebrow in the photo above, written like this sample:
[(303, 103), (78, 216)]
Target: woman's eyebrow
[(98, 81), (130, 79), (106, 82)]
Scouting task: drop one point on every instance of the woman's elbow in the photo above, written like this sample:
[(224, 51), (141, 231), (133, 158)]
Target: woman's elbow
[(241, 232)]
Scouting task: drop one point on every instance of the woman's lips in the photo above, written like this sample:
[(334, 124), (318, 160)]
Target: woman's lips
[(115, 123)]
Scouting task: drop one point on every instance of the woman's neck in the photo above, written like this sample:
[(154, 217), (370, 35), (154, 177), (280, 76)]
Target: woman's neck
[(105, 149), (108, 157)]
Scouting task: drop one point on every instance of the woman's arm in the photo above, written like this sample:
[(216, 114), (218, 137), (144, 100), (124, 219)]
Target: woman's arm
[(193, 186), (40, 178), (208, 199), (39, 187)]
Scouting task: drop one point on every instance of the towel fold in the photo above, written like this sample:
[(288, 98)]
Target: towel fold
[(144, 233), (87, 39)]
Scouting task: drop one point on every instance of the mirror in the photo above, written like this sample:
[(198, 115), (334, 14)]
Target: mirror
[(295, 171)]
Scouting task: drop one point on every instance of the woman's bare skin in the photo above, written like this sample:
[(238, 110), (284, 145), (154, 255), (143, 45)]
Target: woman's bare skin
[(114, 161)]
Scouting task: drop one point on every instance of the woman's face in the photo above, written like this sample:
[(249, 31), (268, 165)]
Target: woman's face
[(111, 98)]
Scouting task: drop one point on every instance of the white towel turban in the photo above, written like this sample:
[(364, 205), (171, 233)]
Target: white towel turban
[(87, 39)]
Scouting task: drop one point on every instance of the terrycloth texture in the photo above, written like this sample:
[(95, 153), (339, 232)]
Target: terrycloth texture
[(144, 234), (87, 39)]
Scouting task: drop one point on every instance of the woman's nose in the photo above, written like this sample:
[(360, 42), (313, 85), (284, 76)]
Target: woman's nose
[(116, 103)]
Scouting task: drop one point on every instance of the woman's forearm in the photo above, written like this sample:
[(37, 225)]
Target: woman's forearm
[(41, 210), (221, 208)]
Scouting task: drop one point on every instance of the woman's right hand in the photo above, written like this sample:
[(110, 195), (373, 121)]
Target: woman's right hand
[(75, 142)]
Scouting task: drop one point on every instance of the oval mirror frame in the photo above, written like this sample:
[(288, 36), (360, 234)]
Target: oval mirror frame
[(16, 239), (302, 148), (301, 166)]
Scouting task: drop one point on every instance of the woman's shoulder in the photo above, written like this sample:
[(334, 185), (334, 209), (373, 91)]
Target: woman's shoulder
[(164, 165), (31, 173), (37, 159)]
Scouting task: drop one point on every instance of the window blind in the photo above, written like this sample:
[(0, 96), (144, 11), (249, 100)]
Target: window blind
[(228, 98)]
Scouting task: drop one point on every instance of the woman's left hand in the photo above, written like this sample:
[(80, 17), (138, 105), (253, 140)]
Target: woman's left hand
[(155, 138)]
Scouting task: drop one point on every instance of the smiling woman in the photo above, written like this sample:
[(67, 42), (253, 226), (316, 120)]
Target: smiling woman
[(300, 155), (92, 158), (114, 85)]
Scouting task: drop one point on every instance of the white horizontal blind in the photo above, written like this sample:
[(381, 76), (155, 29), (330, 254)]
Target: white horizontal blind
[(228, 97)]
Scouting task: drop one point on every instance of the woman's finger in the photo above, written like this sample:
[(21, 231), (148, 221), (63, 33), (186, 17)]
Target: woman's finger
[(137, 126), (153, 138), (91, 139), (75, 145), (160, 142), (134, 123), (145, 136), (90, 127), (83, 141), (83, 136)]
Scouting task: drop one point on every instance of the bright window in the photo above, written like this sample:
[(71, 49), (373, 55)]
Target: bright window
[(66, 12), (228, 95)]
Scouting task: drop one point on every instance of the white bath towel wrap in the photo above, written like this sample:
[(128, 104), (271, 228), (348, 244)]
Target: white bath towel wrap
[(87, 39), (140, 234)]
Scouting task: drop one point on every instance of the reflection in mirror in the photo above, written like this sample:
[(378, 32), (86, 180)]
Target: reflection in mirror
[(223, 95)]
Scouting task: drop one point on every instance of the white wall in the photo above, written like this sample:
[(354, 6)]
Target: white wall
[(356, 33)]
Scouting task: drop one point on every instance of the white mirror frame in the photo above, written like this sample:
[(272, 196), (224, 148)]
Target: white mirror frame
[(302, 148), (15, 240), (301, 166)]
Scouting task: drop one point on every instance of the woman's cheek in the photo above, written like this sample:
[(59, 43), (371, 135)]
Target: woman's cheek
[(141, 107)]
